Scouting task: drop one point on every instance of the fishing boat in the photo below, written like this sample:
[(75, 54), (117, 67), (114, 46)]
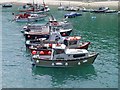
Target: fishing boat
[(53, 22), (26, 8), (56, 37), (7, 5), (48, 45), (60, 56), (100, 10), (37, 34), (72, 15), (29, 17), (43, 43)]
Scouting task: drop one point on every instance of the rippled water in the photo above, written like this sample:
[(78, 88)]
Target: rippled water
[(101, 31)]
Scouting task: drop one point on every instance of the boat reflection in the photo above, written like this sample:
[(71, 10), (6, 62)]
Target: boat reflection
[(61, 75)]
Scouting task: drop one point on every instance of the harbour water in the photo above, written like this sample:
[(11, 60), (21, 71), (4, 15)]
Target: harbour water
[(100, 29)]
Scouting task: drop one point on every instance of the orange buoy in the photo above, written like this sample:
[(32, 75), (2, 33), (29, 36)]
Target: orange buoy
[(71, 38), (34, 52), (50, 45), (41, 52), (49, 52), (64, 34)]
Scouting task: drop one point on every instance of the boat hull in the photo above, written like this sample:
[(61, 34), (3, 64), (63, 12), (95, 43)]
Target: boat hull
[(98, 11), (64, 63)]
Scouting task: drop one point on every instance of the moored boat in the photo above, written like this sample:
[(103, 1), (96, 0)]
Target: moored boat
[(40, 34), (70, 8), (72, 15), (100, 10), (61, 7), (35, 30), (34, 8), (29, 17), (83, 9), (118, 12), (111, 11), (60, 56), (7, 5), (55, 37)]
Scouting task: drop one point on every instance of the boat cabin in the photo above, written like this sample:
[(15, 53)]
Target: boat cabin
[(72, 41), (61, 52)]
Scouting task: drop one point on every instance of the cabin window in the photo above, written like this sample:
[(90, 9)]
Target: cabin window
[(58, 51), (78, 55)]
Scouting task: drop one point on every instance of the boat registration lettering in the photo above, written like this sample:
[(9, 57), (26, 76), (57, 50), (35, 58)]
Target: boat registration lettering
[(58, 63)]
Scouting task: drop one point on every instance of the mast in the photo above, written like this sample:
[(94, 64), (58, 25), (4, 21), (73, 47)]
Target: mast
[(43, 3), (33, 6), (33, 2), (69, 3), (60, 3)]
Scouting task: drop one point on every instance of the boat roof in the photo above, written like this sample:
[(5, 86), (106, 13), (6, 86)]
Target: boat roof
[(73, 38), (76, 51)]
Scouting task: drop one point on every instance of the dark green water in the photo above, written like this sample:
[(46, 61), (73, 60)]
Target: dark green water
[(102, 32)]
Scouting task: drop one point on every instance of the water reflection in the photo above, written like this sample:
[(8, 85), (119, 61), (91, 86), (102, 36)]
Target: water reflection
[(60, 75)]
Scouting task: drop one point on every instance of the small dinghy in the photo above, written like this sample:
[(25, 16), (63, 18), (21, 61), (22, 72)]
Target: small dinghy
[(83, 9), (60, 24), (7, 5), (70, 8), (100, 10)]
